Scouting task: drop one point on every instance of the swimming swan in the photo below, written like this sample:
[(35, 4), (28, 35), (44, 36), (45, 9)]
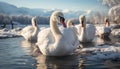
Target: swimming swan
[(55, 42), (86, 31), (104, 31), (30, 32)]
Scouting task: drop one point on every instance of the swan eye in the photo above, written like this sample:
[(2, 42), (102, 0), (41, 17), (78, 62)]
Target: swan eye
[(61, 18)]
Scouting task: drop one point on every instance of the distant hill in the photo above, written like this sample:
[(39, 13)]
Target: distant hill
[(9, 9), (6, 8), (23, 15)]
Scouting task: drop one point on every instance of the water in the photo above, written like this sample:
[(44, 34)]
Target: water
[(17, 53), (13, 55)]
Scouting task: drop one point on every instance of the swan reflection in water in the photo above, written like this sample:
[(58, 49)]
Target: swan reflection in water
[(75, 61), (29, 47), (100, 41), (112, 64), (97, 41), (65, 62), (47, 62)]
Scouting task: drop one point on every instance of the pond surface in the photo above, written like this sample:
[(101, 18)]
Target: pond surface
[(17, 53)]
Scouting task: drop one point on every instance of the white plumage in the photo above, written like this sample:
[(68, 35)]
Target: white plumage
[(30, 32), (85, 32), (104, 31), (55, 42)]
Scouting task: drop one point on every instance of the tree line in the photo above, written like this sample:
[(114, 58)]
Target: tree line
[(22, 19)]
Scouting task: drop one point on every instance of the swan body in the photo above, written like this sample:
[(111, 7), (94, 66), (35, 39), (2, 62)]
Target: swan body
[(104, 31), (85, 32), (30, 32), (54, 41)]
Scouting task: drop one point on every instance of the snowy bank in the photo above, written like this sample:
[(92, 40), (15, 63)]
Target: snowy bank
[(103, 52), (8, 33)]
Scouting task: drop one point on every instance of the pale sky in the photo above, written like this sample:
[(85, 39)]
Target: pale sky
[(59, 4)]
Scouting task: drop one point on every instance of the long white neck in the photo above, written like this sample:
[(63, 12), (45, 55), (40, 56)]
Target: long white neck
[(54, 29), (82, 34), (107, 24), (83, 30), (36, 29), (34, 24), (83, 23)]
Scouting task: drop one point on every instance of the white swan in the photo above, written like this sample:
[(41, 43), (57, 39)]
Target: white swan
[(70, 23), (104, 31), (30, 32), (85, 32), (73, 27), (55, 42)]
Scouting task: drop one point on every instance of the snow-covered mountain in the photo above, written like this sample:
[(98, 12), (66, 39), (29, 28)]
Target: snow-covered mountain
[(24, 15), (9, 9)]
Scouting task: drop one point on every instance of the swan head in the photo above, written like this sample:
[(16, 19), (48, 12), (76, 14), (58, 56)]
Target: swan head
[(34, 22), (70, 23), (58, 17), (107, 22), (82, 20)]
